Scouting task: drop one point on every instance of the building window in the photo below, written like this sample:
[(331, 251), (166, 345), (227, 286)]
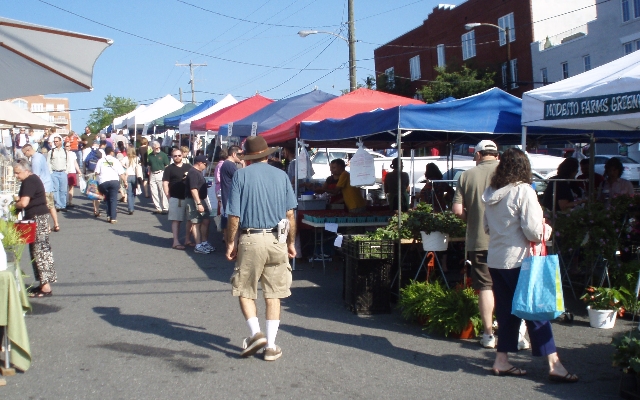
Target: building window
[(513, 79), (545, 77), (565, 70), (636, 8), (37, 107), (626, 12), (391, 78), (468, 45), (21, 103), (505, 23), (587, 62), (630, 47), (441, 59), (60, 107), (414, 68), (50, 107)]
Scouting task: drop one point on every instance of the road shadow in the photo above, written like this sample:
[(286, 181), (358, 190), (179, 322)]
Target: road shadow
[(168, 329), (178, 359)]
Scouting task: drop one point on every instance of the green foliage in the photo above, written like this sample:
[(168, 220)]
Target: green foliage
[(601, 298), (113, 107), (458, 84), (625, 276), (415, 299), (400, 86), (12, 240), (422, 218), (627, 354)]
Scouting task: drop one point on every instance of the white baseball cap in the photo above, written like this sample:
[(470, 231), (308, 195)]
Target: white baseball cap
[(486, 145)]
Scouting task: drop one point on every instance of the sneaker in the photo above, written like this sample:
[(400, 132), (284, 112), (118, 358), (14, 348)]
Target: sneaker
[(201, 249), (208, 247), (523, 344), (488, 341), (253, 344), (272, 354)]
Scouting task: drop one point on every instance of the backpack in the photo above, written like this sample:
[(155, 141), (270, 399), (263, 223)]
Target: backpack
[(92, 160)]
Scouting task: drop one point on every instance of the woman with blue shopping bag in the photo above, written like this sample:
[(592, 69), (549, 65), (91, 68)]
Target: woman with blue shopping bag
[(513, 219)]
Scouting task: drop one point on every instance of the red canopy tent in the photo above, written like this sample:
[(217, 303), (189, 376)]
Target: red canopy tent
[(229, 114), (358, 101)]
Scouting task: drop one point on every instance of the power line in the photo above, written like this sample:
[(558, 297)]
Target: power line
[(176, 47)]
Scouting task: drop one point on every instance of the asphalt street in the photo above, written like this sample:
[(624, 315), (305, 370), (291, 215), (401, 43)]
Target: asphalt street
[(131, 318)]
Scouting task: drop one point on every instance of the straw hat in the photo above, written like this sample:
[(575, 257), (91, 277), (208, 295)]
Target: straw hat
[(256, 147)]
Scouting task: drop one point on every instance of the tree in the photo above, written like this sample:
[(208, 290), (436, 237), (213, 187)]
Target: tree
[(112, 107), (458, 84), (399, 86), (369, 83)]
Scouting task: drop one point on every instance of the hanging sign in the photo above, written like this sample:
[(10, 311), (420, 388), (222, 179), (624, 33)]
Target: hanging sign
[(230, 130), (585, 107), (254, 128)]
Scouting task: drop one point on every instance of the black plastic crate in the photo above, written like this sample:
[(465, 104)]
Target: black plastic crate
[(366, 285), (367, 249)]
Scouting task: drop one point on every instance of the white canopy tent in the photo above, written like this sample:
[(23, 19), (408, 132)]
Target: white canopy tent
[(158, 109), (12, 115), (604, 98), (228, 100), (119, 122)]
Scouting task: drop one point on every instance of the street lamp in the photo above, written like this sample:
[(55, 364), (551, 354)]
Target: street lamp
[(351, 41), (507, 36)]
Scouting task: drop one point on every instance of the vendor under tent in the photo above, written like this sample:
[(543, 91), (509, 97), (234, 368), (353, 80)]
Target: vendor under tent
[(144, 118), (232, 113), (174, 121), (186, 108), (120, 122), (185, 124), (275, 114), (358, 101)]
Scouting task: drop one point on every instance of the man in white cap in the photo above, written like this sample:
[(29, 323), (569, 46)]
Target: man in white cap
[(467, 204), (259, 208)]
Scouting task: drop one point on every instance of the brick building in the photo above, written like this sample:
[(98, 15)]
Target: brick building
[(443, 40), (52, 109)]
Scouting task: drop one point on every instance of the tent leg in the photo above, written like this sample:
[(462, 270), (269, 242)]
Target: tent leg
[(399, 199), (295, 211), (523, 139)]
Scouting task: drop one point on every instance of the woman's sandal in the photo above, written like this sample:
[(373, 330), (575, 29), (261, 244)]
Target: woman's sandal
[(568, 378), (96, 214), (56, 228), (513, 371), (40, 294)]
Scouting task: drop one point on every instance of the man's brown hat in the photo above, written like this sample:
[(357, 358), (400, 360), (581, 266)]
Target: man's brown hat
[(256, 147)]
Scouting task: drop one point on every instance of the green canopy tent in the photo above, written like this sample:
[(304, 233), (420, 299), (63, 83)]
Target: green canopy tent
[(187, 107)]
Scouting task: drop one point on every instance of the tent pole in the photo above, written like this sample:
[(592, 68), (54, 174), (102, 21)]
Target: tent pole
[(399, 199), (523, 141), (592, 156), (295, 211), (412, 172)]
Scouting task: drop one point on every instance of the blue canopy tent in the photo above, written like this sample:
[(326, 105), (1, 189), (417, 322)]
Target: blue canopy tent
[(275, 114), (174, 121)]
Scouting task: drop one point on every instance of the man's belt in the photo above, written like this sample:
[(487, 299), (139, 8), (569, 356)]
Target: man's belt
[(59, 170), (155, 172), (257, 230)]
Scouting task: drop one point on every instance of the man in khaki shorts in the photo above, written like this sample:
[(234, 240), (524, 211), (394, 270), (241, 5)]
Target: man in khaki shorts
[(173, 184), (259, 208)]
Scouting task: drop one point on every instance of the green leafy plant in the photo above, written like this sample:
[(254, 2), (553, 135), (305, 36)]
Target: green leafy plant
[(627, 354), (416, 298), (452, 312), (601, 298), (12, 239), (422, 218)]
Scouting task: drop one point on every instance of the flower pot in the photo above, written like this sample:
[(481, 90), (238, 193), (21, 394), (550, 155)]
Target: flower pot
[(467, 332), (602, 319), (435, 241)]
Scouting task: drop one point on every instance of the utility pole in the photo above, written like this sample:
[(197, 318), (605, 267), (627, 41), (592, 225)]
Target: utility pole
[(352, 48), (192, 81)]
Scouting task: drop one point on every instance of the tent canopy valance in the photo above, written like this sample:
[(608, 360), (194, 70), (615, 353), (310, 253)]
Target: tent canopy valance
[(185, 124), (275, 114), (186, 108), (232, 113), (174, 121)]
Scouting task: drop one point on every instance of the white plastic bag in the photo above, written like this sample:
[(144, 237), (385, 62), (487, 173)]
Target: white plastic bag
[(362, 168), (82, 184)]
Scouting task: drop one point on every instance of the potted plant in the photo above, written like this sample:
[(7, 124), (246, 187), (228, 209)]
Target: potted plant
[(416, 298), (627, 357), (453, 311), (603, 305)]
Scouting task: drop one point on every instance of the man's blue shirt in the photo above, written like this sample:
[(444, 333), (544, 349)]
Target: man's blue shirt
[(40, 167)]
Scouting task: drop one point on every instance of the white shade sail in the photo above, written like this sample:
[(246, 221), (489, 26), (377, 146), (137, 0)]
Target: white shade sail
[(158, 109), (119, 122), (11, 115), (36, 59)]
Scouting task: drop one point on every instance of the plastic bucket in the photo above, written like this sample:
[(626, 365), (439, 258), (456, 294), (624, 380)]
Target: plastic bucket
[(435, 241), (602, 319), (27, 230)]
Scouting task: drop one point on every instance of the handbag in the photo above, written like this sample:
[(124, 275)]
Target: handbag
[(92, 191), (538, 295), (139, 171)]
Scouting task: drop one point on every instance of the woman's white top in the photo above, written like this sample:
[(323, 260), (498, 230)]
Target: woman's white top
[(108, 169)]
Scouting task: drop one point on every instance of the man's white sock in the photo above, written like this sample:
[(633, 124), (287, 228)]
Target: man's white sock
[(254, 325), (272, 331)]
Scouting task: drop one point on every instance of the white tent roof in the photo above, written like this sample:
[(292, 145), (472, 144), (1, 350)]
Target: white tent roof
[(605, 98), (160, 108), (10, 114), (229, 100), (119, 122)]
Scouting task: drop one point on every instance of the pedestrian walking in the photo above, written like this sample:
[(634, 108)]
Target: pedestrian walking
[(174, 186), (143, 153), (157, 161), (197, 206), (32, 200), (261, 237), (133, 169), (40, 168), (109, 172), (513, 219), (73, 171), (57, 159), (228, 168)]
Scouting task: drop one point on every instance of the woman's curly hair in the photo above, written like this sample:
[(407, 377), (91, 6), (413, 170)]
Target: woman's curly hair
[(514, 167)]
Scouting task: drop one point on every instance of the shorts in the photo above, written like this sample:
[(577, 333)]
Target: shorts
[(261, 257), (72, 179), (192, 213), (480, 276), (224, 220), (177, 209), (50, 201)]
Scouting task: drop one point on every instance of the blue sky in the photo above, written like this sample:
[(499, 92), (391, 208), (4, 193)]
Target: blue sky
[(263, 55)]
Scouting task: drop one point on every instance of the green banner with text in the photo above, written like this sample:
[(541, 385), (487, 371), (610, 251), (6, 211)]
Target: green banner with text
[(585, 107)]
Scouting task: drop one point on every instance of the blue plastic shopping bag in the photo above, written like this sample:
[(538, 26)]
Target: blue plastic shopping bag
[(538, 295)]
